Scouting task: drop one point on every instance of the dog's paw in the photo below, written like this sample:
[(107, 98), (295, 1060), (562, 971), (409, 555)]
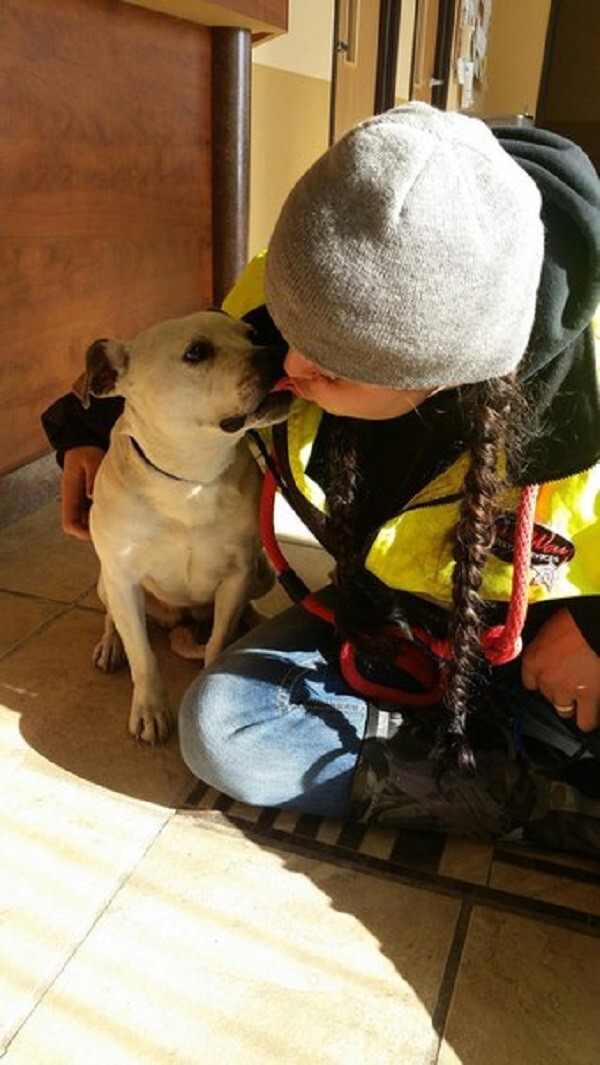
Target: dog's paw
[(184, 643), (109, 655), (150, 723)]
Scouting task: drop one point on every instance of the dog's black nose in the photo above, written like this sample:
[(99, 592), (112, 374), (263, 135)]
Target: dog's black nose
[(233, 425)]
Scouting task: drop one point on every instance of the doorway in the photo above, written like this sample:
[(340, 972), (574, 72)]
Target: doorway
[(387, 52), (355, 55), (569, 98)]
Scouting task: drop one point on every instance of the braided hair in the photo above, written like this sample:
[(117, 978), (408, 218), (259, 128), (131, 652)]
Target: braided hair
[(497, 415), (347, 496), (358, 616)]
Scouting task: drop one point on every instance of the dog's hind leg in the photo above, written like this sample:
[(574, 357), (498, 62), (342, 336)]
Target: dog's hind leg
[(163, 614), (264, 579), (189, 640), (109, 655), (184, 643)]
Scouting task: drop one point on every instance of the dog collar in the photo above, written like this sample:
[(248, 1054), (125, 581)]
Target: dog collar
[(148, 462)]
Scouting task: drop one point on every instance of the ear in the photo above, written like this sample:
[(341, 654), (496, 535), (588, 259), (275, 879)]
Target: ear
[(106, 362)]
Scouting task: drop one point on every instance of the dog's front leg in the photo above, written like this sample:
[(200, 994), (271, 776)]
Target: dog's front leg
[(231, 597), (150, 717)]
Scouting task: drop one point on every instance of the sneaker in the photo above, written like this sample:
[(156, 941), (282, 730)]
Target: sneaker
[(398, 784)]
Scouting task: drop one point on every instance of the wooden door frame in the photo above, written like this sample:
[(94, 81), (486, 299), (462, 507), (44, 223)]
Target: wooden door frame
[(541, 110), (387, 56), (336, 28), (443, 52), (387, 53), (383, 6)]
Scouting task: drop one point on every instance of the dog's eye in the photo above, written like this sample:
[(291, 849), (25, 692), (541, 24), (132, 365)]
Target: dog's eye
[(199, 351)]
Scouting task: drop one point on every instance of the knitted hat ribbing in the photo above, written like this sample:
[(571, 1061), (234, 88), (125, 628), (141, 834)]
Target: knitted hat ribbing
[(409, 255)]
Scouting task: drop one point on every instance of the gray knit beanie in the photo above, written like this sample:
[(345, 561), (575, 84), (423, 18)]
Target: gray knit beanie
[(409, 255)]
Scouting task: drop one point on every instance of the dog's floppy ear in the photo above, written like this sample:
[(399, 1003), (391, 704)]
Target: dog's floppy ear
[(105, 362)]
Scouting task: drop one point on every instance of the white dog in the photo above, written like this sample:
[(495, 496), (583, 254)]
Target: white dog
[(175, 511)]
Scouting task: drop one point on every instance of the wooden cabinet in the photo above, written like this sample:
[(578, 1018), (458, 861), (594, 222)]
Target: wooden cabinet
[(259, 16), (105, 187)]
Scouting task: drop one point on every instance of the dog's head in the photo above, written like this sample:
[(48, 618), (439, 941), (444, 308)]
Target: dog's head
[(206, 369)]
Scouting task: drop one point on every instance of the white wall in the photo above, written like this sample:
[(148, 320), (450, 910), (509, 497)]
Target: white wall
[(306, 47), (291, 82)]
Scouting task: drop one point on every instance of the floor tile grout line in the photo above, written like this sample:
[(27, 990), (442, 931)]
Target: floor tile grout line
[(71, 954), (35, 631), (66, 607), (490, 870), (83, 595), (441, 1010), (549, 867), (585, 923), (49, 598)]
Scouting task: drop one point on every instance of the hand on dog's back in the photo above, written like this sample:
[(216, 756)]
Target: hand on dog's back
[(79, 473)]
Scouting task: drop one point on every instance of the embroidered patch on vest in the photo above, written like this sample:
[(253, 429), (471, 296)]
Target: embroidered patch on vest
[(549, 549)]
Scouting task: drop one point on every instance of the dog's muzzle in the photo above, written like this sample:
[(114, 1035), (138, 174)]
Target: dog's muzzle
[(267, 371), (273, 408)]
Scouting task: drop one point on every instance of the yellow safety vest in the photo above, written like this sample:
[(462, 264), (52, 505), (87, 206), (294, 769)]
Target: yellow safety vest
[(412, 551)]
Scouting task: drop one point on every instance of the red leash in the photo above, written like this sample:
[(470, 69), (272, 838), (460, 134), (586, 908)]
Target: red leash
[(501, 643)]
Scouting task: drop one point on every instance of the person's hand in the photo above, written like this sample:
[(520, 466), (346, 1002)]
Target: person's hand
[(563, 667), (80, 467)]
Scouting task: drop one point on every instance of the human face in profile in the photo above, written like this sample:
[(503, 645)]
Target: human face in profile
[(346, 398)]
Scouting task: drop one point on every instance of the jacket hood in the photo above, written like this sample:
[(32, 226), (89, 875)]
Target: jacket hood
[(570, 282)]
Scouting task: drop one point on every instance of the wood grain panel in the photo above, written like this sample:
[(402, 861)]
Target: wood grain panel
[(259, 16), (105, 201)]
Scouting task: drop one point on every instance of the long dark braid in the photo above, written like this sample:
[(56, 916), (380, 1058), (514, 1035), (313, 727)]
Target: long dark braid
[(497, 414), (357, 616), (347, 495)]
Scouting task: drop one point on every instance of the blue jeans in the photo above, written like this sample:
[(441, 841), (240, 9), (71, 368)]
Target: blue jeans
[(273, 723)]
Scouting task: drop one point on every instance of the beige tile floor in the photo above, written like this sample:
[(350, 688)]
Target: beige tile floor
[(132, 931)]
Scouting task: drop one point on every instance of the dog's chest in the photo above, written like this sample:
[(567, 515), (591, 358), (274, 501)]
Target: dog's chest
[(196, 508), (205, 534), (178, 539)]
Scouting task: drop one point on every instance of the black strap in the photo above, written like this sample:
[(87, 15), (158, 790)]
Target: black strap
[(148, 462), (262, 447)]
